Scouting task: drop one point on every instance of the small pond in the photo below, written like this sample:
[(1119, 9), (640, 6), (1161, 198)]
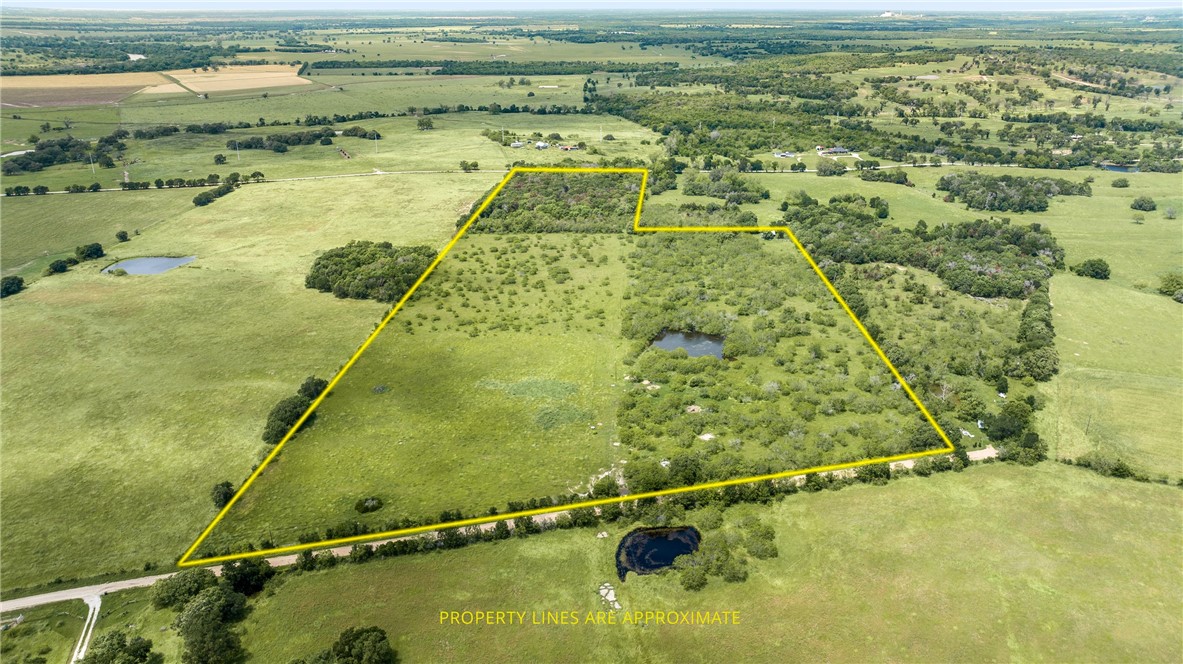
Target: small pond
[(696, 344), (150, 264), (647, 550), (1120, 169)]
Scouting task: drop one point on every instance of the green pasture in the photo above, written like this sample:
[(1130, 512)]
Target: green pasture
[(38, 229), (997, 563), (403, 147), (492, 385), (50, 631), (111, 444)]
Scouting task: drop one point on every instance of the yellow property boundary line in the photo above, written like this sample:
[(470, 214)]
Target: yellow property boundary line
[(187, 561)]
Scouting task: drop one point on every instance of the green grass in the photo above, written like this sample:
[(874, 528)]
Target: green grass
[(39, 229), (998, 563), (455, 138), (131, 612), (111, 441), (447, 410), (50, 631)]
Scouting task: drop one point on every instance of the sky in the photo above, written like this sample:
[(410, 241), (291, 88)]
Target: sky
[(602, 5)]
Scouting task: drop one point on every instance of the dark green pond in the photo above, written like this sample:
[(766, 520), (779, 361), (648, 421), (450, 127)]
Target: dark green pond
[(647, 550)]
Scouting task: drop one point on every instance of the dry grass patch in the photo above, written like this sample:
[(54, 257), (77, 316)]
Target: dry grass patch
[(239, 78)]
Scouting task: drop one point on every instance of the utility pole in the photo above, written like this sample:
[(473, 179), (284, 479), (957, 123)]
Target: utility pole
[(236, 150)]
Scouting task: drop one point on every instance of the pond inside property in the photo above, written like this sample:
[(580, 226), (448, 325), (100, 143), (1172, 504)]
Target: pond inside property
[(1120, 169), (647, 550), (696, 344), (150, 264)]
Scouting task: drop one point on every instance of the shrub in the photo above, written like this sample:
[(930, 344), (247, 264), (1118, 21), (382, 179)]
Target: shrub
[(122, 236), (11, 286), (1144, 203), (367, 505), (1171, 285), (694, 578), (56, 267), (1120, 183), (1095, 268)]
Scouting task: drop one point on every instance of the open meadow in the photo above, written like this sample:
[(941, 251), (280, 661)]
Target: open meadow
[(1045, 563), (146, 359)]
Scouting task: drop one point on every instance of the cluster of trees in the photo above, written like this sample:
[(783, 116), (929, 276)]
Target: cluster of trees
[(85, 55), (234, 178), (207, 197), (356, 645), (892, 175), (281, 142), (984, 258), (53, 151), (215, 127), (85, 252), (1036, 354), (558, 203), (1008, 193), (724, 183), (148, 133), (209, 606), (116, 648), (285, 414), (369, 270)]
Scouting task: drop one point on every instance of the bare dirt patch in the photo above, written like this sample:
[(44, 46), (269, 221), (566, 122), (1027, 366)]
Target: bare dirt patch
[(73, 89)]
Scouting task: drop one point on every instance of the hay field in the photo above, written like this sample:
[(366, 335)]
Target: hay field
[(73, 89), (230, 79)]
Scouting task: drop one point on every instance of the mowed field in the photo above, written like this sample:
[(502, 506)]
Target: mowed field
[(1000, 562), (110, 450)]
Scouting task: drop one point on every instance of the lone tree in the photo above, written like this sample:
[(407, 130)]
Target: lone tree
[(56, 267), (1120, 183), (1095, 268), (424, 124), (221, 494), (122, 236), (219, 159), (1144, 203), (11, 286)]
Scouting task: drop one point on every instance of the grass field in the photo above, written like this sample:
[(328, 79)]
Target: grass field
[(446, 411), (1121, 385), (144, 361), (403, 147), (39, 229), (1036, 564), (50, 631)]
